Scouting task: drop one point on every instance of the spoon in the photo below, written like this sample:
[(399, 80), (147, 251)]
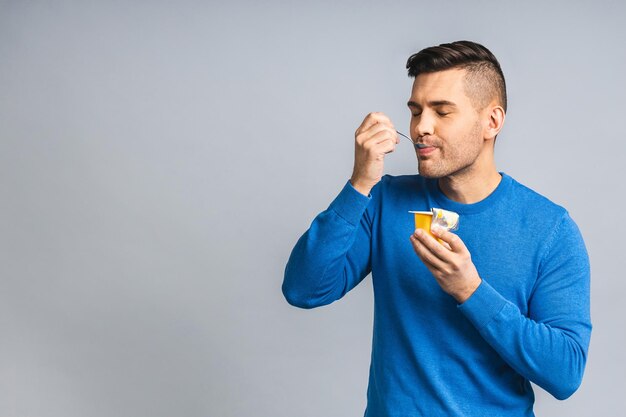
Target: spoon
[(417, 145)]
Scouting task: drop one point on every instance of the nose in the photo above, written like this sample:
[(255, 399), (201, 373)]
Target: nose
[(424, 125)]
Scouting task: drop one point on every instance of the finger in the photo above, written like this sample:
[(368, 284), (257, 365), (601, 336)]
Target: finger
[(453, 240), (382, 142), (380, 117), (373, 119), (389, 134), (436, 248), (445, 244), (384, 147), (383, 135), (424, 253), (378, 132), (388, 146), (378, 127)]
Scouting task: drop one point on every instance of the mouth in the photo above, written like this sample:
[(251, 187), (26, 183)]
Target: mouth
[(424, 150)]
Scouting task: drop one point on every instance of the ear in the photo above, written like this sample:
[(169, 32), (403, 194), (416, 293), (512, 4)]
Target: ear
[(494, 119)]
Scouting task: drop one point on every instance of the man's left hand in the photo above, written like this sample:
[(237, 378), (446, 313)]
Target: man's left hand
[(452, 266)]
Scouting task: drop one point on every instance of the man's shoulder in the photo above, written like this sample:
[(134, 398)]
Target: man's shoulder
[(529, 199), (546, 219), (400, 182), (399, 191)]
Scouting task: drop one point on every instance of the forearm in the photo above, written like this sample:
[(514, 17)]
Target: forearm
[(332, 256), (552, 357)]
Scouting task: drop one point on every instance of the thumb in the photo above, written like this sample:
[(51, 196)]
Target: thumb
[(453, 241)]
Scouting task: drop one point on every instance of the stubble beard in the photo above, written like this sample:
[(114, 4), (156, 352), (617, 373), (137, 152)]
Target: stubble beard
[(459, 160)]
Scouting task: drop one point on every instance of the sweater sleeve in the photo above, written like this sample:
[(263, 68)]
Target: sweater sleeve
[(549, 347), (333, 255)]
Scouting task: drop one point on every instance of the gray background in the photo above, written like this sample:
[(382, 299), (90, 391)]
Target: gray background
[(158, 160)]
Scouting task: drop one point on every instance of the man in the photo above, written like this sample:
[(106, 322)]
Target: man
[(462, 327)]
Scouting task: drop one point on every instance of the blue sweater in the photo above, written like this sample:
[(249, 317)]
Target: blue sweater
[(528, 320)]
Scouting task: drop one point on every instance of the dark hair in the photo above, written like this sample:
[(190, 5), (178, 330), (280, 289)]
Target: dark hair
[(484, 79)]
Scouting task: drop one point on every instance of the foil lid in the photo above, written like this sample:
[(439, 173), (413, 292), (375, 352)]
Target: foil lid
[(448, 220)]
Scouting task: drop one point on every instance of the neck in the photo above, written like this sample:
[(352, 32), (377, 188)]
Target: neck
[(470, 187)]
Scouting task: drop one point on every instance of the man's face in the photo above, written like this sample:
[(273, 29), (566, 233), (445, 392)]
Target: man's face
[(444, 119)]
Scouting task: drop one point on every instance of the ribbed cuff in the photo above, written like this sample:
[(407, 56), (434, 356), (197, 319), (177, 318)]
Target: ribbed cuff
[(483, 305), (350, 204)]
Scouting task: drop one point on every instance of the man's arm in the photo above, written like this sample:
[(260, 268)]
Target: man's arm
[(333, 256), (549, 346)]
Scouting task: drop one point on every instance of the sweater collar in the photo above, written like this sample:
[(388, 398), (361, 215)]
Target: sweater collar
[(488, 202)]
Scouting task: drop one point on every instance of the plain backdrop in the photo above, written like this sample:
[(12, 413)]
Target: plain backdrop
[(159, 160)]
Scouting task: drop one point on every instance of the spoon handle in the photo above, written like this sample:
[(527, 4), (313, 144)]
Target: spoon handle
[(402, 134)]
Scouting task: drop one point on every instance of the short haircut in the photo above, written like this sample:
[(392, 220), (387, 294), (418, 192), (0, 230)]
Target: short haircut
[(484, 80)]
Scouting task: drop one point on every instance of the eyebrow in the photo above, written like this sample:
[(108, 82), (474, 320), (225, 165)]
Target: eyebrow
[(435, 103)]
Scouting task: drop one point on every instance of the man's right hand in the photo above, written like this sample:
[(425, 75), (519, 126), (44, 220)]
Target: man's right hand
[(375, 138)]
